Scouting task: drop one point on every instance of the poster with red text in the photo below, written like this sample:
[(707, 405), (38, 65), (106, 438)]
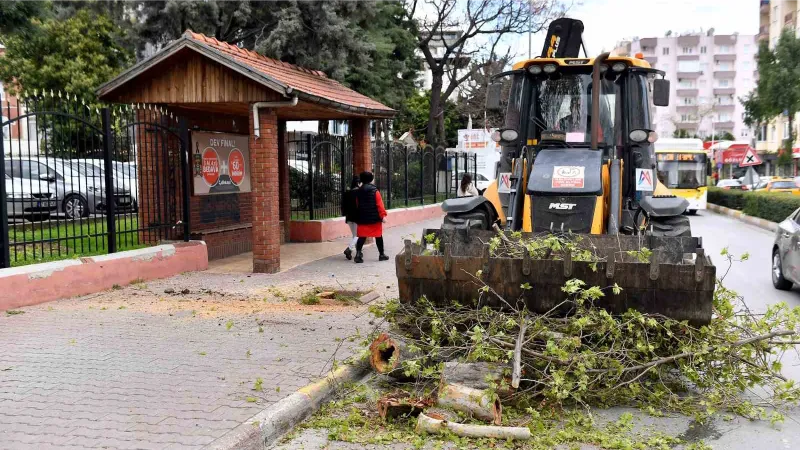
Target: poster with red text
[(220, 163)]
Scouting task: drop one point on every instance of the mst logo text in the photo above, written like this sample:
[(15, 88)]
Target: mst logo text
[(562, 206)]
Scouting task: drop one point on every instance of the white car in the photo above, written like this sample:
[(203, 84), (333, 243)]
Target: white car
[(481, 183)]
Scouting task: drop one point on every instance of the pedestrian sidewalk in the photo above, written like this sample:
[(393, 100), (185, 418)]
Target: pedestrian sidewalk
[(179, 362)]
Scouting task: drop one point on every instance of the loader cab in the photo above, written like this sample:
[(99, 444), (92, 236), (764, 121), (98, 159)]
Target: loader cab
[(550, 105)]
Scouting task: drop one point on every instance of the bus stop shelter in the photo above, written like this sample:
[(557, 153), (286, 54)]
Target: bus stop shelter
[(236, 104)]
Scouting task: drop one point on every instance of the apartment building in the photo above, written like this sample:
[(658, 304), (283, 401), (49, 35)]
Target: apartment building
[(774, 17), (438, 50), (708, 74)]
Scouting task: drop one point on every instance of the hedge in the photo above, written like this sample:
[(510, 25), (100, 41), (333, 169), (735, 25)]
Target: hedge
[(773, 206)]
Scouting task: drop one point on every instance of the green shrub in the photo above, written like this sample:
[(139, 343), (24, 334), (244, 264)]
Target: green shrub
[(733, 199), (775, 206)]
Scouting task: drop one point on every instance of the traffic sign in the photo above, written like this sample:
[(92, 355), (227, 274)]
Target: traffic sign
[(750, 158)]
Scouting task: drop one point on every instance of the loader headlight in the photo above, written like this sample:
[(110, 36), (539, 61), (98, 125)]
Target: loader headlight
[(549, 68), (618, 66), (643, 135), (509, 135), (534, 69)]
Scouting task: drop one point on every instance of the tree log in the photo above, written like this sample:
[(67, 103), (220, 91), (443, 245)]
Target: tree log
[(393, 406), (478, 403), (435, 424), (386, 355), (477, 375)]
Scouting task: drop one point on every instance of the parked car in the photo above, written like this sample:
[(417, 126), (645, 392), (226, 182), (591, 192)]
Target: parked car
[(786, 185), (79, 188), (762, 183), (729, 184), (32, 201), (481, 183), (125, 176), (786, 253)]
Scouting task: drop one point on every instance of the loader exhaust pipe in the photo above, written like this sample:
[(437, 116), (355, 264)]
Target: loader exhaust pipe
[(596, 98)]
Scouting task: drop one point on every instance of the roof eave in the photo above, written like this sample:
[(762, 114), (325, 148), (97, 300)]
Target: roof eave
[(208, 51), (362, 111)]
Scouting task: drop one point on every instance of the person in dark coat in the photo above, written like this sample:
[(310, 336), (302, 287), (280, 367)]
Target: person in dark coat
[(371, 215), (350, 213)]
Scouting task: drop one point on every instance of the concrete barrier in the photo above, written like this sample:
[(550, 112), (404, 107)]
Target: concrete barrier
[(755, 221), (329, 229), (39, 283)]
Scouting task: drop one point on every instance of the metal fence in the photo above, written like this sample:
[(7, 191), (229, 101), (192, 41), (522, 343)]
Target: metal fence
[(321, 167), (78, 182)]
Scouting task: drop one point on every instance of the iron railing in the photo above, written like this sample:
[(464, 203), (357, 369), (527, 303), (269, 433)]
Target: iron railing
[(79, 183)]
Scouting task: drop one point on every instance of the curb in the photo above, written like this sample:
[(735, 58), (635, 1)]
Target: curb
[(742, 217), (266, 427)]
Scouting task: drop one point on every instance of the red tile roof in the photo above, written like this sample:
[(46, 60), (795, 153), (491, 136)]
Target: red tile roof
[(311, 82)]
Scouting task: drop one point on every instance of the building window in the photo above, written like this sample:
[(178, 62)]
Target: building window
[(688, 101), (703, 49), (703, 100), (723, 83), (725, 66), (744, 133), (702, 83), (665, 51), (704, 67), (746, 65), (688, 66), (687, 50), (664, 67), (686, 84), (762, 133), (747, 48), (786, 129)]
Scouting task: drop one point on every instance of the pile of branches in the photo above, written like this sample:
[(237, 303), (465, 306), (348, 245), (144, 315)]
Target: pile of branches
[(593, 358)]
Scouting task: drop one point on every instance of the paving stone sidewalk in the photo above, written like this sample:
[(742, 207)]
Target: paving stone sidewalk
[(174, 363)]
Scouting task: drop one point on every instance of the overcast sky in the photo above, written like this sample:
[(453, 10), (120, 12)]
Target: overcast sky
[(608, 21)]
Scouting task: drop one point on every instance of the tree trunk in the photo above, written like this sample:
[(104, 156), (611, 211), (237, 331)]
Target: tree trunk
[(475, 402), (386, 356), (477, 375), (436, 100), (435, 424)]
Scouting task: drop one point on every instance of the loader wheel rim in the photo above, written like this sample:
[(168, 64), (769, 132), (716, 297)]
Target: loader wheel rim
[(776, 267)]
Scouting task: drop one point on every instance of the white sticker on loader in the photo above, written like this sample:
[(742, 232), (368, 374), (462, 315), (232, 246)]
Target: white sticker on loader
[(644, 180), (504, 183), (570, 177)]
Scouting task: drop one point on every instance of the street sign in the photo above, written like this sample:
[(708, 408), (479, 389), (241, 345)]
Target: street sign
[(750, 158)]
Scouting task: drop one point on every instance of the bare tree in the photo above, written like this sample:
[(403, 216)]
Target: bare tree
[(482, 26)]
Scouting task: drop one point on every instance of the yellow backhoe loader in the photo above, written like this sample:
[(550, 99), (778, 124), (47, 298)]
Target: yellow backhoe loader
[(577, 161)]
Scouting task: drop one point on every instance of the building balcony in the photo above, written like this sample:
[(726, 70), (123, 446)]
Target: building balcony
[(687, 92), (730, 107), (724, 91), (689, 75), (726, 57), (688, 57), (648, 42), (651, 59), (688, 41), (727, 125), (725, 74), (688, 109), (724, 39), (688, 125)]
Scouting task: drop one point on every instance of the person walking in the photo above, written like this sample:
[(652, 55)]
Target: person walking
[(467, 189), (350, 213), (371, 215)]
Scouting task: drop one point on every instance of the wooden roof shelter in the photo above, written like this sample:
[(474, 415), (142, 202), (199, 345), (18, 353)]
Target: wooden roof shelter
[(200, 72)]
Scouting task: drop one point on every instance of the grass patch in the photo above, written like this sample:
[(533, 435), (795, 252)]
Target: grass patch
[(14, 312), (58, 239), (310, 298), (258, 385)]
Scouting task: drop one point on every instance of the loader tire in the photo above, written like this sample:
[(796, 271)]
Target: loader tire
[(673, 226)]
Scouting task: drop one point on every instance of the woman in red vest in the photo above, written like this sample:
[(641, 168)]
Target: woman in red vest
[(371, 215)]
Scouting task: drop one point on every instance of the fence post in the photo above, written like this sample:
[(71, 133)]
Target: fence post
[(422, 177), (310, 149), (389, 173), (5, 252), (185, 149), (435, 176), (405, 156), (111, 199), (457, 179)]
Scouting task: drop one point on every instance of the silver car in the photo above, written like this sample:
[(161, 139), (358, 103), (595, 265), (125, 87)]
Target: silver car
[(786, 253), (79, 188), (29, 201)]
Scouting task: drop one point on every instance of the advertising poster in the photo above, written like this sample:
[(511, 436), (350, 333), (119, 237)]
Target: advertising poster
[(220, 163)]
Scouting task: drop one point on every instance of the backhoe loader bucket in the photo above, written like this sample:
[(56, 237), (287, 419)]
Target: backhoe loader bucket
[(676, 280)]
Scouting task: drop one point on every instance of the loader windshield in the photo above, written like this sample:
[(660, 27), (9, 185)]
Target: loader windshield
[(565, 104)]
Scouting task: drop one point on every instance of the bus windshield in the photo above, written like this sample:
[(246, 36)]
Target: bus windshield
[(682, 170)]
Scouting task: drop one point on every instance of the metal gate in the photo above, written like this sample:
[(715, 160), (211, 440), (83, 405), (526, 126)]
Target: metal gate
[(82, 180)]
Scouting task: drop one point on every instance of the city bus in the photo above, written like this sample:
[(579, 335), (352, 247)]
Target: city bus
[(682, 166)]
